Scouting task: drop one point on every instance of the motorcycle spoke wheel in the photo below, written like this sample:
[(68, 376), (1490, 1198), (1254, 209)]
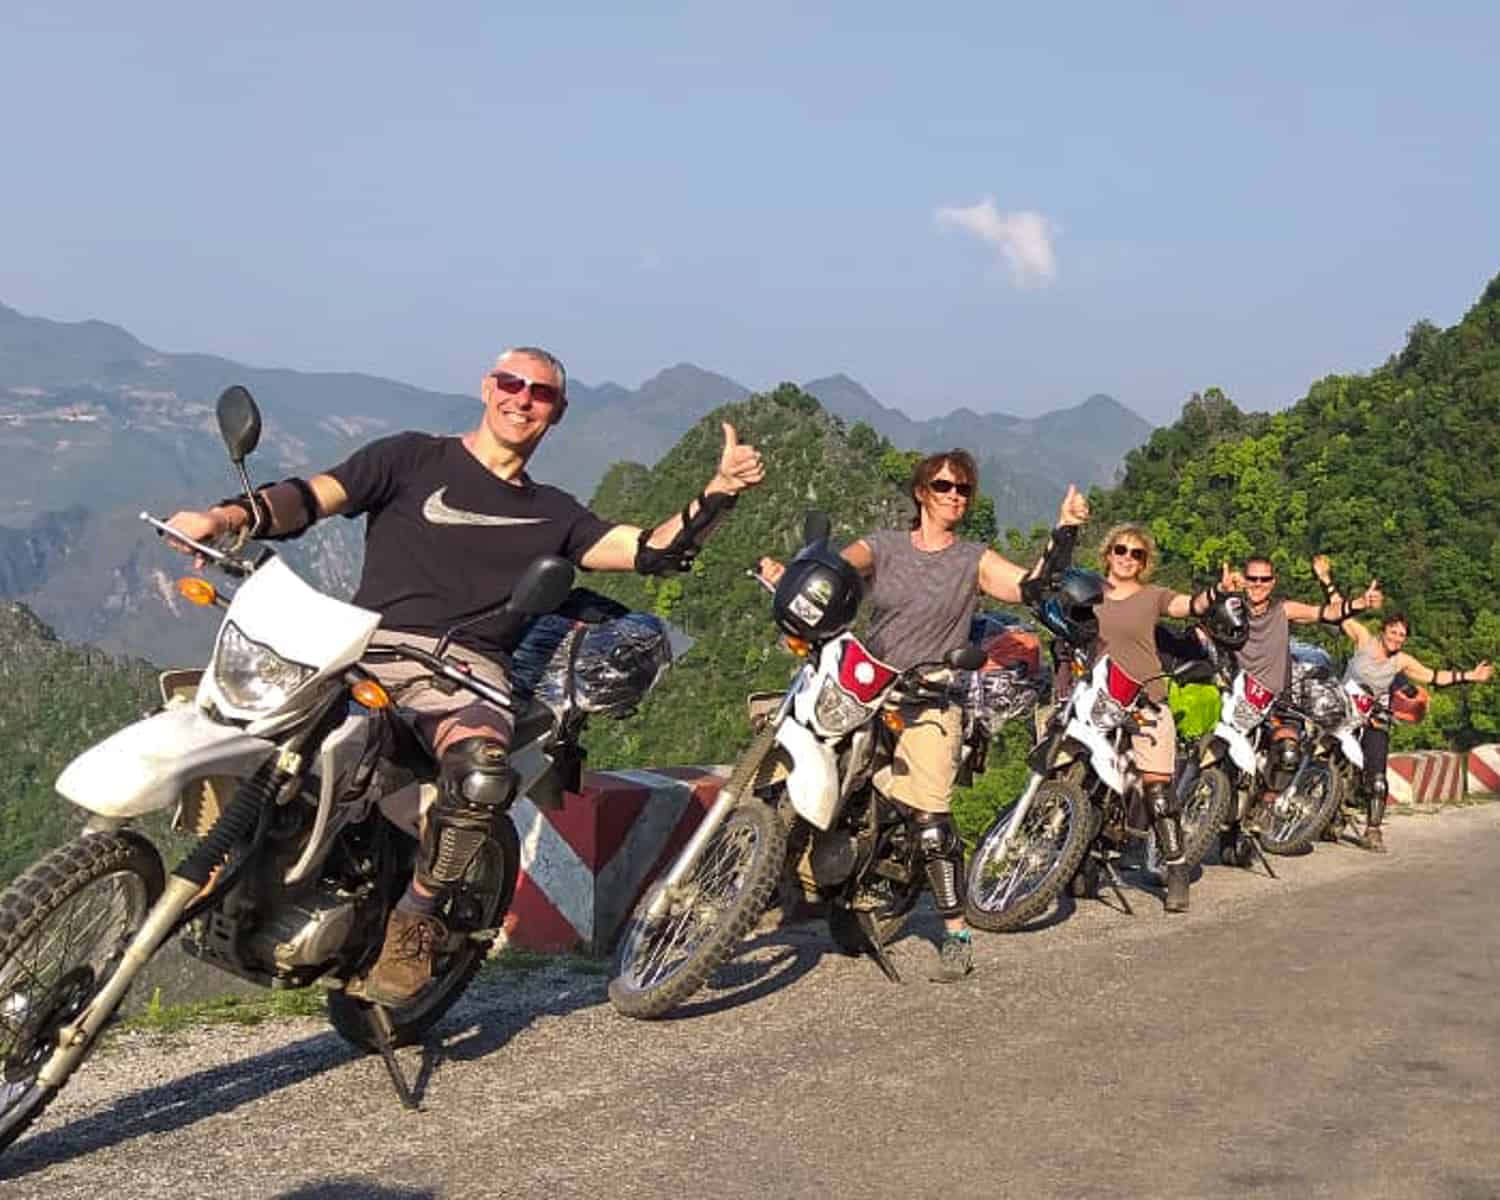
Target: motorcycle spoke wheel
[(1291, 822), (1007, 889), (64, 926), (661, 961)]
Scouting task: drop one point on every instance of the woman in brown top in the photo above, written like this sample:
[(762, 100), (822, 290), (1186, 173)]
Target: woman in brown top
[(1127, 633)]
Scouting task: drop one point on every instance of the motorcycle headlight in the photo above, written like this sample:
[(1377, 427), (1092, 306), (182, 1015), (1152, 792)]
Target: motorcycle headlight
[(252, 676), (837, 711), (1107, 713)]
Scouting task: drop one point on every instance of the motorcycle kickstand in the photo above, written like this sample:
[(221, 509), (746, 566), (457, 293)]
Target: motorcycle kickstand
[(385, 1036), (1254, 840), (1117, 886), (870, 927)]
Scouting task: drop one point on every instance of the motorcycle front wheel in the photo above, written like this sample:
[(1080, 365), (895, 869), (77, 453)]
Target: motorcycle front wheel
[(1009, 888), (1290, 823), (64, 927), (475, 906), (1204, 810), (661, 961)]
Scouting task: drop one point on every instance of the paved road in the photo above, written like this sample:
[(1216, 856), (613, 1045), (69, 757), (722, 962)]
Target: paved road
[(1261, 1045)]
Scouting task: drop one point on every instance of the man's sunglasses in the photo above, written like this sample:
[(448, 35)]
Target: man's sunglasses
[(1123, 551), (943, 486), (1260, 579), (514, 385)]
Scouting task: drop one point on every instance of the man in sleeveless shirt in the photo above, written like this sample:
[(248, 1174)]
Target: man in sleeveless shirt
[(1267, 652), (1375, 664), (451, 523)]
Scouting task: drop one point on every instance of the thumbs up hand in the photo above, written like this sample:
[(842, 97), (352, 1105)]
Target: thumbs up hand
[(740, 465)]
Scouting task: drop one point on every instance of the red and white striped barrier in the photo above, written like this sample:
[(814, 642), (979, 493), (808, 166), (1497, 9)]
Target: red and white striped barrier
[(584, 865), (1484, 771), (1425, 777)]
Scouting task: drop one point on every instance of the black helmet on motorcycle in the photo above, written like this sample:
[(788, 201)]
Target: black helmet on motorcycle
[(1068, 613), (1228, 620), (818, 594)]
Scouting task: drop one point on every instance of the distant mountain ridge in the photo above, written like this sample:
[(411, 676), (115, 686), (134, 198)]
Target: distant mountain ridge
[(96, 426)]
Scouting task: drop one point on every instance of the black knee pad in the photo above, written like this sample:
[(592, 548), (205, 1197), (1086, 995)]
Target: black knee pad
[(475, 787), (942, 853), (1165, 807)]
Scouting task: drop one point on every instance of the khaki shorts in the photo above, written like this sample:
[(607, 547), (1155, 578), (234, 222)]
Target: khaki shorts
[(926, 760), (1154, 749), (430, 709)]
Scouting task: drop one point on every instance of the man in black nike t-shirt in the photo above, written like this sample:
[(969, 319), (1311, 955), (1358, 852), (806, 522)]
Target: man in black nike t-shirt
[(451, 523)]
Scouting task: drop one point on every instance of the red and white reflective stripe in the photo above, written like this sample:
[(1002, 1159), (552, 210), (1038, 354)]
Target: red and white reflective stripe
[(1483, 770)]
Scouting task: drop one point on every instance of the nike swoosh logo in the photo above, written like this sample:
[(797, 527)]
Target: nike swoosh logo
[(437, 512)]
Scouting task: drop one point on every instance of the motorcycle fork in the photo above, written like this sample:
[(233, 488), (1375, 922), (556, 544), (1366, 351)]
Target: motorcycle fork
[(740, 785)]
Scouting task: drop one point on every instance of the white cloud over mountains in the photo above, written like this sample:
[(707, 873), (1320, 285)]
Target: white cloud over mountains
[(1024, 238)]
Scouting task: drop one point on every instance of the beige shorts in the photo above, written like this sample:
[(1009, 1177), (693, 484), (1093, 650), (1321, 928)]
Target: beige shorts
[(926, 760), (1154, 749), (432, 710)]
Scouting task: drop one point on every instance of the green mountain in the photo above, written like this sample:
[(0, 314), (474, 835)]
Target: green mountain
[(1392, 473)]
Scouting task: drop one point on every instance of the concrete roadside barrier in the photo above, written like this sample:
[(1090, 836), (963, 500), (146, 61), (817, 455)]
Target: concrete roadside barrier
[(1484, 771), (1426, 778), (584, 865)]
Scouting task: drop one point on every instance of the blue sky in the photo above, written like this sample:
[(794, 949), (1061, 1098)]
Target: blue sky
[(990, 205)]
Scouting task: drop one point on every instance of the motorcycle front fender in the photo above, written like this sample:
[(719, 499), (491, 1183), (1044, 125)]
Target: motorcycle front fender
[(1103, 757), (146, 766), (813, 782), (1353, 751), (1241, 752)]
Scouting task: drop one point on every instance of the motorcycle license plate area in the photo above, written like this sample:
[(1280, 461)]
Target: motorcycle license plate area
[(1251, 703)]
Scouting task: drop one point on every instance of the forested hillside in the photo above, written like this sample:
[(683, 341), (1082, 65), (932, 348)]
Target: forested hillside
[(1395, 474)]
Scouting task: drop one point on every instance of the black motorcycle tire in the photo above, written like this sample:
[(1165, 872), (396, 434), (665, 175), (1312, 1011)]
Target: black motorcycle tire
[(1300, 838), (1081, 830), (34, 898), (1208, 815), (498, 862), (735, 920)]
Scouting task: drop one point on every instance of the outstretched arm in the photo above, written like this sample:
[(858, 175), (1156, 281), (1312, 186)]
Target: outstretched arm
[(1444, 677), (283, 508), (673, 544), (1004, 580)]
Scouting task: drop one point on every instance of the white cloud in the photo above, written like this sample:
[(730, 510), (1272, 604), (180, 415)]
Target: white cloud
[(1024, 238)]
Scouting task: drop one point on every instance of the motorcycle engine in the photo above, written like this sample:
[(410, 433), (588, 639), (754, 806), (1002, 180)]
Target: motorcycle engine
[(303, 932)]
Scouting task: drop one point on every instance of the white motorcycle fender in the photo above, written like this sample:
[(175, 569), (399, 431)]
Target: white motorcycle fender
[(1353, 751), (1102, 756), (813, 784), (145, 766), (1240, 749)]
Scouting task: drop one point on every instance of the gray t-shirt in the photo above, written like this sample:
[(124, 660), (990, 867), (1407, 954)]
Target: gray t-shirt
[(1267, 652), (921, 600), (1371, 667)]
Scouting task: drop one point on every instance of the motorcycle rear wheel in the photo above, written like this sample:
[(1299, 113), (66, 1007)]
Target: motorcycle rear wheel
[(479, 903), (660, 963), (1040, 859), (64, 926)]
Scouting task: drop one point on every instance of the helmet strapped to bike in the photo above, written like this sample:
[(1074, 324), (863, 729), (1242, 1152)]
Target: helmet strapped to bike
[(818, 594), (1228, 620), (1068, 613)]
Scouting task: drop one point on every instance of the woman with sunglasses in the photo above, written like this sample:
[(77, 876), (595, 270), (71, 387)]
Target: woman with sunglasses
[(1127, 633), (926, 583), (1375, 664)]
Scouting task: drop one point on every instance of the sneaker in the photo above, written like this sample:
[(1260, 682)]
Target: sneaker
[(406, 957), (955, 958), (1373, 841)]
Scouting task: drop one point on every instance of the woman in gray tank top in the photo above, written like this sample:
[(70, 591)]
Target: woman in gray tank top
[(925, 586), (1375, 664)]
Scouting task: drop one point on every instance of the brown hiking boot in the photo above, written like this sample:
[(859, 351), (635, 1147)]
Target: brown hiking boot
[(405, 964), (1374, 841)]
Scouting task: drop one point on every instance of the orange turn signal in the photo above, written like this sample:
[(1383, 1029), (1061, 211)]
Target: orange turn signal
[(798, 646), (371, 694), (893, 720), (197, 591)]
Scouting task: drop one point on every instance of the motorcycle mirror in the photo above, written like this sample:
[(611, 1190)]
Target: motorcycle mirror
[(966, 658), (239, 422), (815, 527)]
